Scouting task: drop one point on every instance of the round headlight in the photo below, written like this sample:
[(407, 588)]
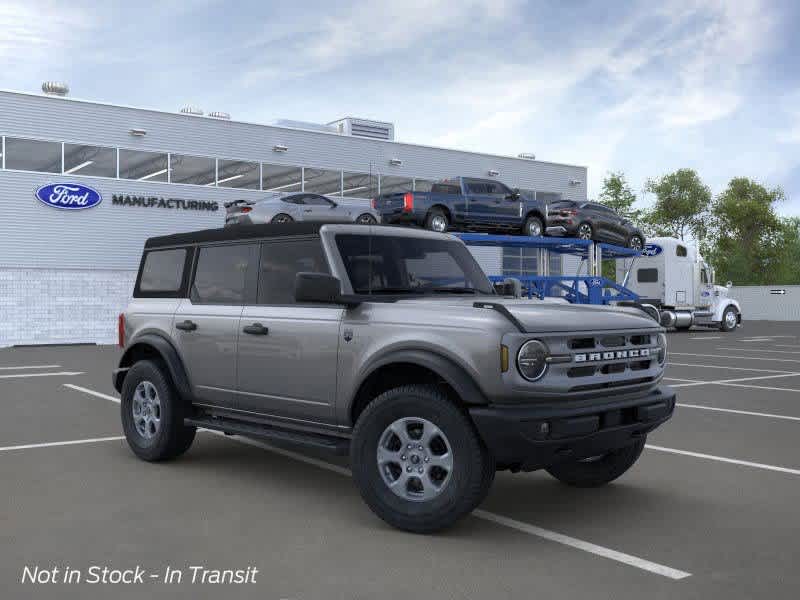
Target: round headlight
[(532, 360), (662, 348)]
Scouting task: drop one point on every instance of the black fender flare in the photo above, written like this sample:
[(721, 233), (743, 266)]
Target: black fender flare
[(453, 374), (165, 350)]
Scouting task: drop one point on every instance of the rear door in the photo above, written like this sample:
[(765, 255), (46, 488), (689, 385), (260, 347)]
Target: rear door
[(287, 355), (206, 325), (478, 201)]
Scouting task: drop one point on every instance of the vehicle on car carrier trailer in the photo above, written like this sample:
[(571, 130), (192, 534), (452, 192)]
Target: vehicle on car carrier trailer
[(673, 276)]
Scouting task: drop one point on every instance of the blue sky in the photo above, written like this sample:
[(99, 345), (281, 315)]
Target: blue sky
[(644, 88)]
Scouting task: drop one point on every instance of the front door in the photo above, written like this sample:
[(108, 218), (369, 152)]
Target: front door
[(287, 356), (206, 325), (504, 208)]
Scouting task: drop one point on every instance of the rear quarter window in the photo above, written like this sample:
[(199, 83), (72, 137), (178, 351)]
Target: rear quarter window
[(162, 273), (445, 188)]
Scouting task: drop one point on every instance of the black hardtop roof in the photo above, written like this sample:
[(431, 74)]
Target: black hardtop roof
[(233, 233)]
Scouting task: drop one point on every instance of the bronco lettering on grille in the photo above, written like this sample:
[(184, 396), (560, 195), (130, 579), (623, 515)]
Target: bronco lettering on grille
[(612, 355)]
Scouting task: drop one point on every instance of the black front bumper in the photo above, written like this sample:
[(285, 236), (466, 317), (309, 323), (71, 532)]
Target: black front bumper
[(534, 437)]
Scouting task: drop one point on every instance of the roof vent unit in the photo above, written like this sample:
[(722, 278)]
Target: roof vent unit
[(55, 88), (192, 110), (527, 155), (303, 125), (375, 130), (216, 114)]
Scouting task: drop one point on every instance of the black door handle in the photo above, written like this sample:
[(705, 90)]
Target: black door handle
[(308, 210), (186, 326), (256, 329)]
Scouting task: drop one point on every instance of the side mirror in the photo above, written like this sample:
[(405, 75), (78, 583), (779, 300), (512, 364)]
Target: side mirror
[(514, 195), (317, 287), (729, 285), (333, 204)]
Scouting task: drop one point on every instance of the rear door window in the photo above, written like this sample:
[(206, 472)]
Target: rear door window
[(162, 272), (221, 274)]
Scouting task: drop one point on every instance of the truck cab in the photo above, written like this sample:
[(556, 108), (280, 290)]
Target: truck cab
[(673, 276)]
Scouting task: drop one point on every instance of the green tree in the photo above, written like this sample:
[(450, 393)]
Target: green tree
[(681, 207), (750, 243), (618, 195)]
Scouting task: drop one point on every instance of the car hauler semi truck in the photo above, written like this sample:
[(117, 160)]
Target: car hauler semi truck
[(672, 276)]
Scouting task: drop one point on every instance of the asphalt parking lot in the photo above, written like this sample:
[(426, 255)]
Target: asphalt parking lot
[(710, 510)]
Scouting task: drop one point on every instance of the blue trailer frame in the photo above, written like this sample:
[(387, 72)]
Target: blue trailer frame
[(577, 289)]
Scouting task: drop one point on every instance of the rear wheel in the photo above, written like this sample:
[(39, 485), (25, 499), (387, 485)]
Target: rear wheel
[(437, 220), (635, 242), (598, 470), (533, 227), (282, 218), (418, 461), (585, 231), (730, 319), (152, 413), (366, 219)]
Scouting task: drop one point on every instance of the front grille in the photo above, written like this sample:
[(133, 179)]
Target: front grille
[(612, 384)]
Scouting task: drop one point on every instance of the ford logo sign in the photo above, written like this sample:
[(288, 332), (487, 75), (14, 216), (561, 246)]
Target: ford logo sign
[(652, 250), (68, 196)]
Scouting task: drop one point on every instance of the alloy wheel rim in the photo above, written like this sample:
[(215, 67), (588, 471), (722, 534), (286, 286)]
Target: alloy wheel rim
[(534, 228), (636, 243), (366, 220), (415, 459), (146, 409), (585, 232), (439, 223), (730, 318)]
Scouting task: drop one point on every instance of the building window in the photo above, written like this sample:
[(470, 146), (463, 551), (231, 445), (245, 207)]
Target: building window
[(238, 174), (323, 181), (280, 178), (194, 170), (395, 185), (360, 185), (90, 160), (33, 155), (520, 262), (555, 264), (144, 166)]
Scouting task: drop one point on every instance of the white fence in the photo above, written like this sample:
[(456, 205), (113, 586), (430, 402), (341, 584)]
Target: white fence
[(768, 302)]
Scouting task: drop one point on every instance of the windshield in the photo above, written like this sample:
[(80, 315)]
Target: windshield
[(383, 264)]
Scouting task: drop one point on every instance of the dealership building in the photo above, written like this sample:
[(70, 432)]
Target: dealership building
[(65, 274)]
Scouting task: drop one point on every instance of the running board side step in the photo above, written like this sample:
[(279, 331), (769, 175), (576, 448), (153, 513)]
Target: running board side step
[(228, 426)]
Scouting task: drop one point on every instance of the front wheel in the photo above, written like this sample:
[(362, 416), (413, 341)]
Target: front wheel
[(418, 461), (730, 319), (598, 470), (533, 227), (153, 412)]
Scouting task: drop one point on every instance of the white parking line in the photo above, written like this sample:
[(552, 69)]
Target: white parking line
[(30, 367), (733, 461), (761, 387), (694, 382), (92, 392), (786, 345), (739, 412), (674, 364), (764, 350), (791, 360), (60, 373), (66, 443), (553, 536)]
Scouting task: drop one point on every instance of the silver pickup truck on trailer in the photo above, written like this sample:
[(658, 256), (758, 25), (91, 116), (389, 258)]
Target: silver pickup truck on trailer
[(390, 344)]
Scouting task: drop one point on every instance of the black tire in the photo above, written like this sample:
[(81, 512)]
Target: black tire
[(366, 219), (724, 326), (282, 218), (587, 227), (632, 242), (472, 472), (432, 220), (533, 223), (172, 438), (599, 471)]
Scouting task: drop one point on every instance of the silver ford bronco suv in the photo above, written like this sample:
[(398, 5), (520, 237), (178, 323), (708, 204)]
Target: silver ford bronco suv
[(390, 344)]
